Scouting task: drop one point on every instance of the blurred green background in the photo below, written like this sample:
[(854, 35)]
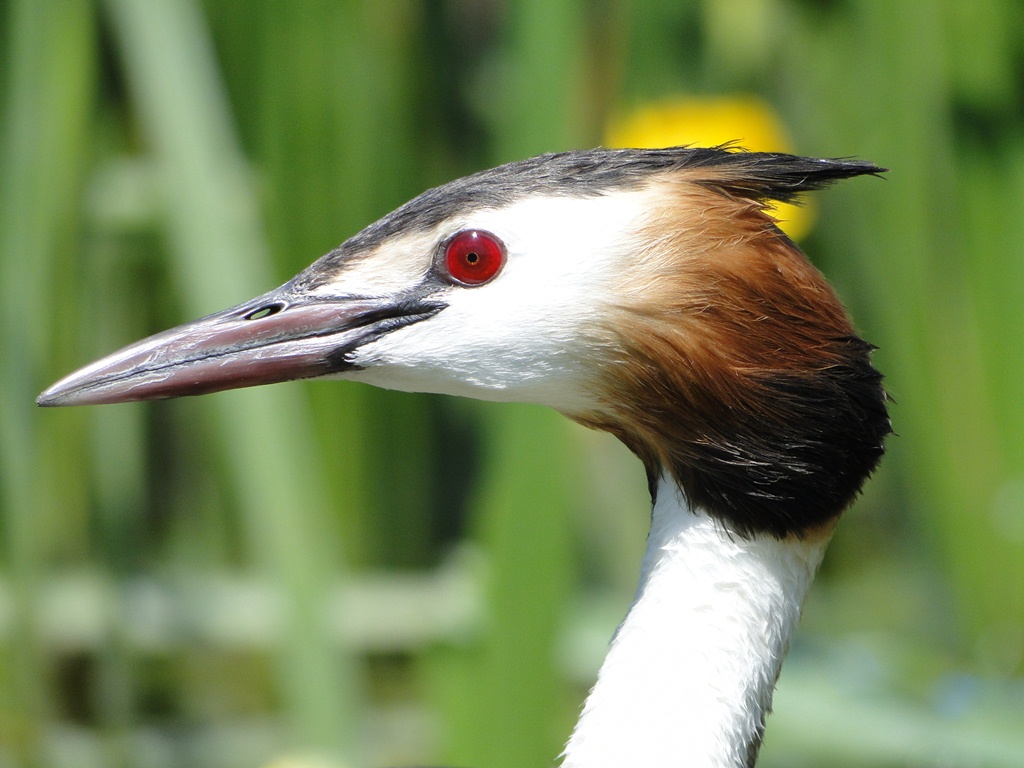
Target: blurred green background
[(321, 574)]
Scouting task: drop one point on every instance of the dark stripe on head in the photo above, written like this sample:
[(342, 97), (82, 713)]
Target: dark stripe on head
[(588, 173)]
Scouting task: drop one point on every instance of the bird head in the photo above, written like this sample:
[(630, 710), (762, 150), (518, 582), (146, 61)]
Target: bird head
[(643, 292)]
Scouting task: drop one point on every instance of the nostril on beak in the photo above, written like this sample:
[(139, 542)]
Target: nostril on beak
[(265, 311)]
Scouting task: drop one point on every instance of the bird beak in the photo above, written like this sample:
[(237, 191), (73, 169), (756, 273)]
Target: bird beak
[(276, 337)]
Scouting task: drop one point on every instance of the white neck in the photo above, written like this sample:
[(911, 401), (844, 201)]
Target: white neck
[(689, 676)]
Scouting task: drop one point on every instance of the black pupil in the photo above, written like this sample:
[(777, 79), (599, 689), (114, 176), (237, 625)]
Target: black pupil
[(472, 257)]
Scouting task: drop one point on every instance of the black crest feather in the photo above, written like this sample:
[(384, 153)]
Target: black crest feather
[(593, 172)]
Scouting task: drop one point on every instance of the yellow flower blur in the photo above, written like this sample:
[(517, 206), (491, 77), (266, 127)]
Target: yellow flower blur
[(746, 121)]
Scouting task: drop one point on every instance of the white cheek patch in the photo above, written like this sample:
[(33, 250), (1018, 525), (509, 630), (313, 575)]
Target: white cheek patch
[(566, 241), (527, 334), (457, 352)]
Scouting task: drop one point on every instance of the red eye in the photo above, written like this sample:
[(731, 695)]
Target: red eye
[(473, 257)]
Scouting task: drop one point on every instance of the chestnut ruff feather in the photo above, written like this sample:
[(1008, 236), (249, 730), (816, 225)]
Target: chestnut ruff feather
[(735, 366)]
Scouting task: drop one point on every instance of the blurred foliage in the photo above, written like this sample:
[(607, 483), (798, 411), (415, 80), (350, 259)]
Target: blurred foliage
[(172, 573)]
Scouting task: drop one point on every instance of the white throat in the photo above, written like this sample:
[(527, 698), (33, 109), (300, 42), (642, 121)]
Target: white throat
[(689, 676)]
